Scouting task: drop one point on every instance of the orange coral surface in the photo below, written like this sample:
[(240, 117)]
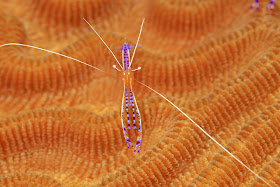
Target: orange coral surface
[(60, 120)]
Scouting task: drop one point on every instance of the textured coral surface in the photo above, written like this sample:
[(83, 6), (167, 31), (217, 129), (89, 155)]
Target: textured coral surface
[(60, 120)]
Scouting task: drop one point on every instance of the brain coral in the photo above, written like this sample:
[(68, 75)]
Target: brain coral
[(60, 120)]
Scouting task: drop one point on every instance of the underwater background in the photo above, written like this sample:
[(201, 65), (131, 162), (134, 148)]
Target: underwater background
[(217, 60)]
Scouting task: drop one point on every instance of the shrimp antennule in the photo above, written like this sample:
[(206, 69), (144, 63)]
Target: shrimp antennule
[(103, 42), (49, 51), (137, 42)]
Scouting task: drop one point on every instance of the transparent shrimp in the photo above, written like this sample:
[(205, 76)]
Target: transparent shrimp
[(131, 106), (128, 99)]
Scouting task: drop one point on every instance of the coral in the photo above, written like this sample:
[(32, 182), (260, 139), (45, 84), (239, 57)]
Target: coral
[(60, 120)]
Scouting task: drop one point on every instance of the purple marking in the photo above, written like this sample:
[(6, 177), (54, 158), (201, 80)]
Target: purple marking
[(125, 49), (138, 143), (130, 47), (270, 5), (272, 2), (257, 5), (127, 139), (124, 131), (140, 127), (128, 143), (127, 113), (133, 109)]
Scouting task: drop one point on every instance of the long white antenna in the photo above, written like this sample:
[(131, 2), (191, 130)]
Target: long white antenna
[(104, 43), (34, 47), (204, 132), (137, 43)]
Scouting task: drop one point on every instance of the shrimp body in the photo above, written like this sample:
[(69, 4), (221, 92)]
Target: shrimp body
[(129, 104), (127, 74)]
